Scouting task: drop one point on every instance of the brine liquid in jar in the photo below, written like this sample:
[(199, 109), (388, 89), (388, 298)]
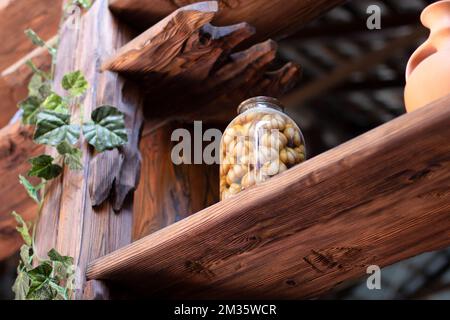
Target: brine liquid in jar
[(261, 142)]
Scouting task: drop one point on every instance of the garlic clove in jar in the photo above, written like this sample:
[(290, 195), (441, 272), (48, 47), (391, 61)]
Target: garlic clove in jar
[(226, 194), (248, 179), (271, 168), (287, 156), (232, 177), (266, 154), (283, 167), (239, 171), (235, 188), (300, 154), (297, 138), (289, 132)]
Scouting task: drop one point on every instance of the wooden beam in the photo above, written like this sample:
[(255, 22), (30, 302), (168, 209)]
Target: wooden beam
[(69, 221), (344, 71), (189, 71), (16, 147), (271, 18), (375, 200), (18, 15)]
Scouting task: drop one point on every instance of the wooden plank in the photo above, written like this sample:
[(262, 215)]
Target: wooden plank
[(154, 49), (16, 147), (188, 70), (18, 15), (377, 199), (168, 192), (69, 222), (271, 18)]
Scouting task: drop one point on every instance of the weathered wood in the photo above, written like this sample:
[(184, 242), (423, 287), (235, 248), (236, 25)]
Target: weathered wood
[(310, 228), (167, 192), (69, 222), (14, 81), (271, 18), (187, 69), (16, 147), (18, 15), (156, 47), (96, 290), (218, 105)]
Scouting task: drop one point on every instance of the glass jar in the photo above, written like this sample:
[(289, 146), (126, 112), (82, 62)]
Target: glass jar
[(261, 142)]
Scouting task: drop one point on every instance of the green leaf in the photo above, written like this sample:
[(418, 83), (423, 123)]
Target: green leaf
[(39, 87), (30, 107), (41, 291), (56, 103), (32, 191), (56, 256), (45, 90), (75, 83), (35, 83), (41, 272), (85, 4), (40, 275), (63, 267), (107, 129), (54, 127), (36, 70), (26, 257), (22, 228), (72, 155), (37, 41), (44, 168), (21, 286), (61, 292)]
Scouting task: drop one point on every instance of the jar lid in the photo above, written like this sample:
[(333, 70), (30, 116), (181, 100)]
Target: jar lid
[(260, 101)]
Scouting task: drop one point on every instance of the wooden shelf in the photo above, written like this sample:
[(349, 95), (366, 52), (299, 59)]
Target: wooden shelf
[(377, 199), (187, 67), (270, 17)]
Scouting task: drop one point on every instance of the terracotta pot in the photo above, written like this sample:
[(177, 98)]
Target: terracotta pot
[(428, 70)]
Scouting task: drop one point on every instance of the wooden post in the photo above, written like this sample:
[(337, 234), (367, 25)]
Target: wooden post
[(168, 192), (69, 222)]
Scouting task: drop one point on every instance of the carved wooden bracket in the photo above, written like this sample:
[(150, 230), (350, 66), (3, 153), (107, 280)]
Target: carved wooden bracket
[(187, 66)]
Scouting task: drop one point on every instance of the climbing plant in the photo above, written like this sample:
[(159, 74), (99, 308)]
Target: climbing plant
[(52, 278)]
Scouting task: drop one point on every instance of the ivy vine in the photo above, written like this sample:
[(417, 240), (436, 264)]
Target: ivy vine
[(53, 278)]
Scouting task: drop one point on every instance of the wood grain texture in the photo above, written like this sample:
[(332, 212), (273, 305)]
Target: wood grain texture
[(69, 222), (157, 46), (18, 15), (188, 69), (16, 147), (377, 199), (271, 18), (167, 192)]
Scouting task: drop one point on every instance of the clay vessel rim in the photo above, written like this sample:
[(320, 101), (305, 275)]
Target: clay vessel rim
[(429, 9)]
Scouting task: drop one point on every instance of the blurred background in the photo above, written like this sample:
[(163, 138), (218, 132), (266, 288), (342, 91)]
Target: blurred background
[(362, 73)]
